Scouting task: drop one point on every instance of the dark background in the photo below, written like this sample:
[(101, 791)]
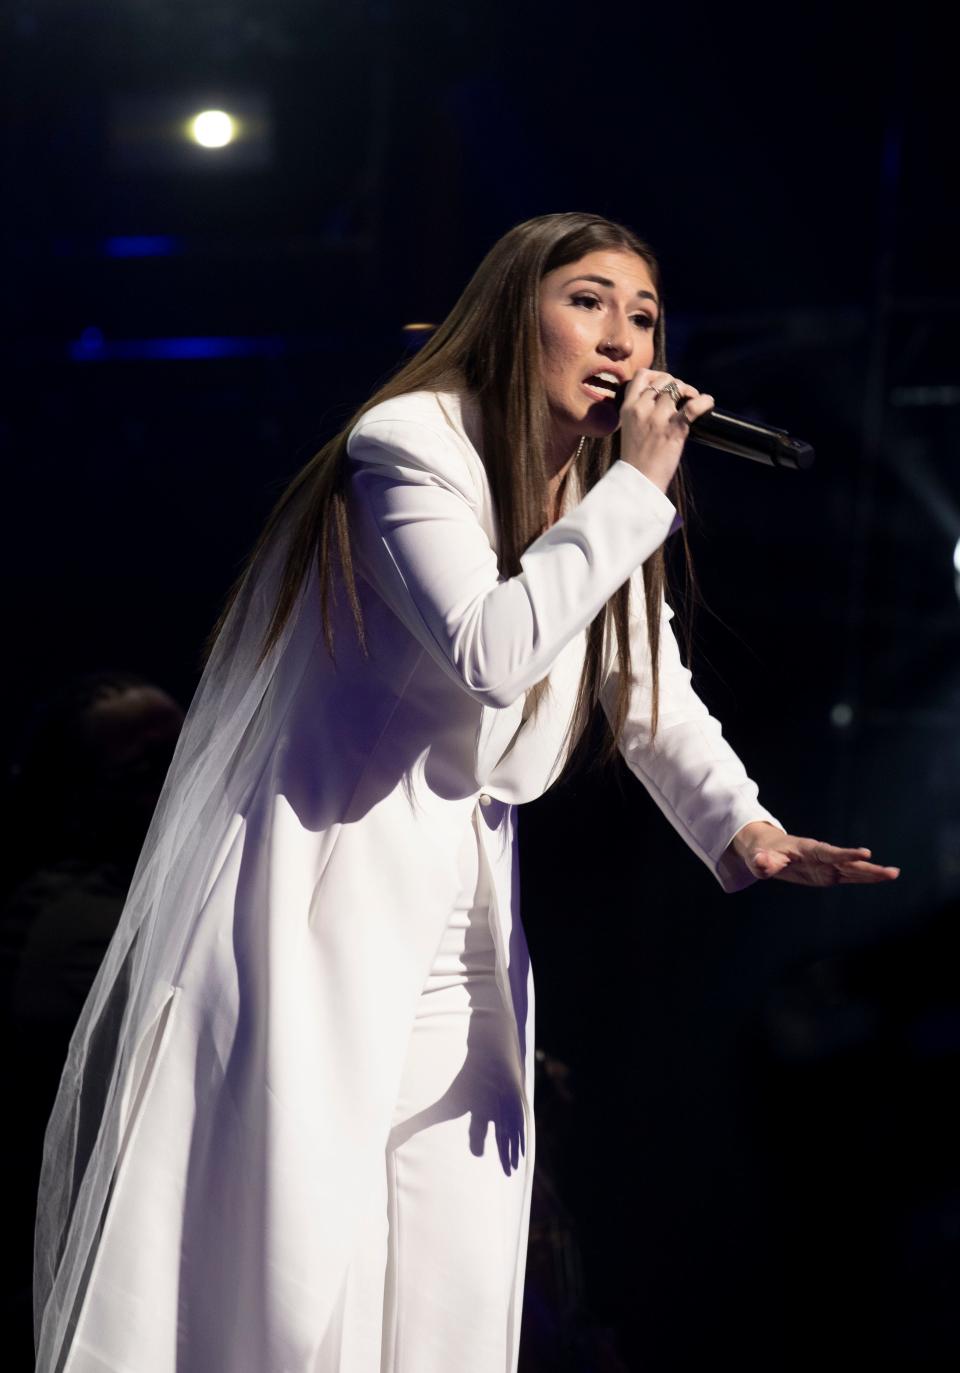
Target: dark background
[(759, 1160)]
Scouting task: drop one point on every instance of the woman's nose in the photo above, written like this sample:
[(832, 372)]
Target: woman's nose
[(617, 340)]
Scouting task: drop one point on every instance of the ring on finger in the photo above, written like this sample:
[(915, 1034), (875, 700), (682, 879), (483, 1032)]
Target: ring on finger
[(672, 390)]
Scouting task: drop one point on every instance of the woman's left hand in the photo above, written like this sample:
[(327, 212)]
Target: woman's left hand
[(768, 852)]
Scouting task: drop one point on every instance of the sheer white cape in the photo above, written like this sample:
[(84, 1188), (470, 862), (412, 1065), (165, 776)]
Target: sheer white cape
[(229, 731)]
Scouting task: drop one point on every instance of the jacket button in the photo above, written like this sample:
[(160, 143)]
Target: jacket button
[(485, 799)]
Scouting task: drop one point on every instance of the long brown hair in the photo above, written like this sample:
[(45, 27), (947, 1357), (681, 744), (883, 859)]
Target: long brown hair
[(489, 345)]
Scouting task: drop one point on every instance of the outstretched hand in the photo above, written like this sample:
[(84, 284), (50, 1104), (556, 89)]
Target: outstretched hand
[(768, 852)]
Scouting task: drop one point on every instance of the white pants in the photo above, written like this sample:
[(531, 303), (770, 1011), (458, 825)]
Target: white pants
[(430, 1287)]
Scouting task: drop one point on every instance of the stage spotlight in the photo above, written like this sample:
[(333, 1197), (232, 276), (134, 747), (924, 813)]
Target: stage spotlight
[(956, 558), (415, 335), (213, 129), (203, 131)]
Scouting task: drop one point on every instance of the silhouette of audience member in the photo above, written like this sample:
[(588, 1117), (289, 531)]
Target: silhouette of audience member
[(79, 801)]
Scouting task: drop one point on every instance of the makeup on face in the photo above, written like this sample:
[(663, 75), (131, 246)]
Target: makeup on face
[(597, 322)]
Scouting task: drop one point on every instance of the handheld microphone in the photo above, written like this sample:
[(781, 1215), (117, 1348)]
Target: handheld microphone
[(748, 439)]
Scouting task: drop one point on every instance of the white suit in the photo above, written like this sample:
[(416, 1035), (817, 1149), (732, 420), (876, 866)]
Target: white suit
[(260, 1099)]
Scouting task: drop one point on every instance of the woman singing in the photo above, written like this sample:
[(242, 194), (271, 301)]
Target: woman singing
[(294, 1133)]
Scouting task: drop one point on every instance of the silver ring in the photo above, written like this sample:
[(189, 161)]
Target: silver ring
[(672, 390)]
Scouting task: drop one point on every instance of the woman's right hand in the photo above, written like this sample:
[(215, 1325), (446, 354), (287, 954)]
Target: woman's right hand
[(652, 429)]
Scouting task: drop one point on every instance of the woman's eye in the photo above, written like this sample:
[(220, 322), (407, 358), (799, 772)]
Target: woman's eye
[(589, 301), (644, 321)]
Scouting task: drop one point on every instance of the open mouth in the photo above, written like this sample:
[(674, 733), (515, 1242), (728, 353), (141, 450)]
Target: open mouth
[(604, 386)]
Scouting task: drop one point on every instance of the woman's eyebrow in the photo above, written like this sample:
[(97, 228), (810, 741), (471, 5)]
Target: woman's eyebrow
[(605, 281)]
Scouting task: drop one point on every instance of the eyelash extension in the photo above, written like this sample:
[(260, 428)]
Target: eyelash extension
[(646, 321)]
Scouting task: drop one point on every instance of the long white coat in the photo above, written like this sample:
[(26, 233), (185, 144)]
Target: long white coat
[(256, 1135)]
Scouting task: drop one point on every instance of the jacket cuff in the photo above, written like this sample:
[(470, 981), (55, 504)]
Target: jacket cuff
[(662, 500)]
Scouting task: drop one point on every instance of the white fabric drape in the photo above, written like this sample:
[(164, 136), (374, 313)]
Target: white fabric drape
[(228, 734)]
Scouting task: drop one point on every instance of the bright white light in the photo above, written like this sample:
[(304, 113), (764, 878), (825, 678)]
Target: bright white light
[(956, 557), (213, 129)]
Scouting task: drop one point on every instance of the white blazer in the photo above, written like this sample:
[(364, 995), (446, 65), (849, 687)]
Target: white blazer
[(256, 1129)]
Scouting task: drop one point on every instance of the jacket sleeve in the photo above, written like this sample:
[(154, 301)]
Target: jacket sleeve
[(420, 542), (690, 770)]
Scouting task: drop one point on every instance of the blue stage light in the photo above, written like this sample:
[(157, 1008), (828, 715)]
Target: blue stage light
[(93, 347), (89, 345), (141, 245)]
